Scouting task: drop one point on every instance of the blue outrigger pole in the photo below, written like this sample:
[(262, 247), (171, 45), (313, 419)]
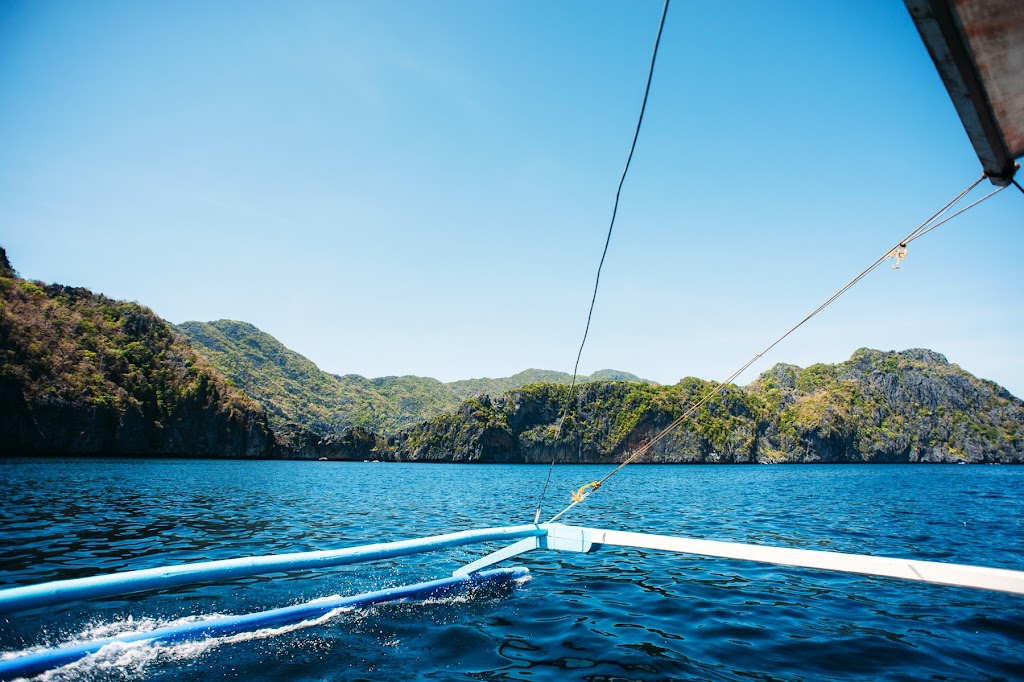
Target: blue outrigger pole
[(127, 582), (34, 664)]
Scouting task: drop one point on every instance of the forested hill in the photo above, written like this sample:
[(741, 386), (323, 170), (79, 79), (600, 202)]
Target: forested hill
[(292, 389), (910, 406), (83, 374), (470, 388)]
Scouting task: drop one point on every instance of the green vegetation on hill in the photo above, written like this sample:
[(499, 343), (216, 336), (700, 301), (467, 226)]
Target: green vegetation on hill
[(604, 422), (294, 390), (880, 407), (413, 399), (81, 373), (470, 388), (289, 386), (911, 406), (906, 406)]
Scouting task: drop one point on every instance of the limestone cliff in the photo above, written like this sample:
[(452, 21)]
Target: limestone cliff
[(910, 406), (81, 374)]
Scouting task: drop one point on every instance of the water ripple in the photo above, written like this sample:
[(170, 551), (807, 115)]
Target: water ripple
[(619, 614)]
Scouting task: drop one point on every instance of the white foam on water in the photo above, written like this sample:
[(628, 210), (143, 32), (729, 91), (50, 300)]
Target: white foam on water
[(130, 659), (93, 631), (470, 594)]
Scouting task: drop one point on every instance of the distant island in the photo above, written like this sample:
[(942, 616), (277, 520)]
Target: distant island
[(82, 374)]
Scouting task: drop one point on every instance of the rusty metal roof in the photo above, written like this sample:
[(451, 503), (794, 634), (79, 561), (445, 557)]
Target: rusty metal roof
[(978, 48)]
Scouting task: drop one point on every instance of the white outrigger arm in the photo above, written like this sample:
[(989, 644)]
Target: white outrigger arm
[(587, 540)]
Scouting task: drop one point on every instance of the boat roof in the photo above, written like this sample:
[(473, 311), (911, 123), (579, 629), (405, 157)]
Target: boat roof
[(978, 49)]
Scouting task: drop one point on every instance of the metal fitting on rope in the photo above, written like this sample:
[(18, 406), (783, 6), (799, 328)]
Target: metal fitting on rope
[(899, 253), (582, 493)]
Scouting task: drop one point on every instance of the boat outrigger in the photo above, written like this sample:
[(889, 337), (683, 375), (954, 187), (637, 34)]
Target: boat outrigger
[(978, 48), (480, 572)]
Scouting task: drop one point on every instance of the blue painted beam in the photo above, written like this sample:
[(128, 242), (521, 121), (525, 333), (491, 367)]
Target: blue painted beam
[(63, 591), (34, 664), (515, 549)]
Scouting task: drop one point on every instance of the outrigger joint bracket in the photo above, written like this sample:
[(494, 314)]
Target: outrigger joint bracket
[(557, 537)]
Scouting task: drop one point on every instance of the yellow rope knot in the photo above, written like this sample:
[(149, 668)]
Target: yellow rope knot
[(580, 494)]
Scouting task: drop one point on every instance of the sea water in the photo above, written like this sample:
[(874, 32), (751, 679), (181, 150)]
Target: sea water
[(618, 614)]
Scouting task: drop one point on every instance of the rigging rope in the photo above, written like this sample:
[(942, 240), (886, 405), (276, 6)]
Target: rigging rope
[(604, 253), (918, 232)]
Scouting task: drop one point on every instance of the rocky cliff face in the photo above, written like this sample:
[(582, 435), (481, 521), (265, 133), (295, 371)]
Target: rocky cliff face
[(911, 406), (352, 445), (605, 421), (83, 374)]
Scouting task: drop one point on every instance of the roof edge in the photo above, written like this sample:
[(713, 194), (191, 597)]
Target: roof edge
[(939, 25)]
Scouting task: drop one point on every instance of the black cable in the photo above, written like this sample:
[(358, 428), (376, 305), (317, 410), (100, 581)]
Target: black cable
[(1014, 181), (607, 241), (622, 180)]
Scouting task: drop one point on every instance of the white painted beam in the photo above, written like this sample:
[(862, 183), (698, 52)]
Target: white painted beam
[(960, 575)]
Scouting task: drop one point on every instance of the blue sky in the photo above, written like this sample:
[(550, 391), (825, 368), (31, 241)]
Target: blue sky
[(424, 187)]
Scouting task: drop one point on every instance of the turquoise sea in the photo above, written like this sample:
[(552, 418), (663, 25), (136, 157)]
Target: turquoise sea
[(618, 614)]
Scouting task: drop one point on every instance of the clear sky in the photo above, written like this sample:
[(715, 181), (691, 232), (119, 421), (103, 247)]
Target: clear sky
[(424, 187)]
